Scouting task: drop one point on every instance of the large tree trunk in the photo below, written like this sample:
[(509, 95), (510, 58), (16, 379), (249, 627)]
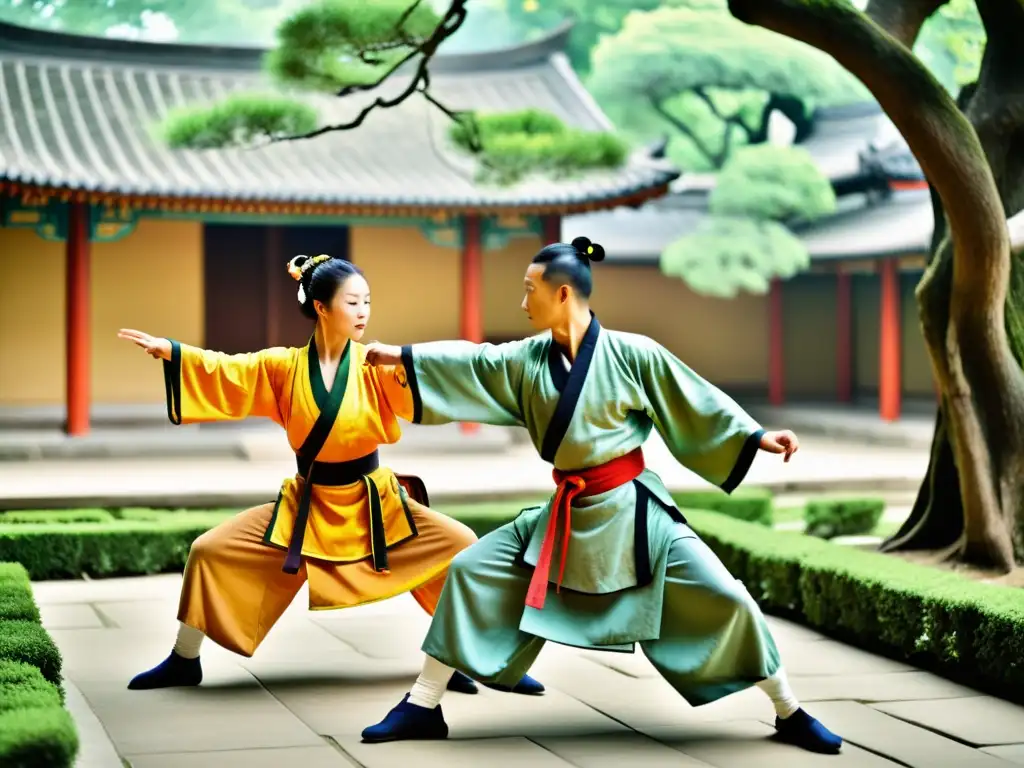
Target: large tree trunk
[(963, 296)]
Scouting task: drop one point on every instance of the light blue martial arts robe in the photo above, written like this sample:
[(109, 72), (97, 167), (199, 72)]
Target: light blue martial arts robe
[(635, 571)]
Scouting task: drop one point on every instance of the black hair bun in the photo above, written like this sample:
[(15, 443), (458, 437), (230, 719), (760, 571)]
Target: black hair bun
[(587, 250)]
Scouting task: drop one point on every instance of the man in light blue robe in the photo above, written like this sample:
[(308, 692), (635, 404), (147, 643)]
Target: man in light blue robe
[(609, 561)]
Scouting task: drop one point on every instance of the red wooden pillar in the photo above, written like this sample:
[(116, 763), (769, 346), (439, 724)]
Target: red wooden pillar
[(776, 347), (890, 362), (472, 319), (552, 227), (78, 326), (844, 337)]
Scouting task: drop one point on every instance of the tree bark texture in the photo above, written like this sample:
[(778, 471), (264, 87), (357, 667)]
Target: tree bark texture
[(973, 161)]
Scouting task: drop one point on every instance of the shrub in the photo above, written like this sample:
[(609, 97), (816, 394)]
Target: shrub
[(828, 518), (753, 505), (22, 686), (966, 630), (41, 737), (35, 729), (27, 641), (30, 516)]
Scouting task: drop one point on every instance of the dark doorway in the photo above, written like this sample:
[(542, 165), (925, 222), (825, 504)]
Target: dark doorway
[(250, 298)]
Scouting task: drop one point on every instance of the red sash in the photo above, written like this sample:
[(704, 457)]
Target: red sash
[(583, 482)]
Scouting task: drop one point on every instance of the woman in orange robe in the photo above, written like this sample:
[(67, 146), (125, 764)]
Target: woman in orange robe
[(344, 523)]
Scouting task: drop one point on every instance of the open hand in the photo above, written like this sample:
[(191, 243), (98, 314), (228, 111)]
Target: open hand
[(154, 346), (383, 354), (782, 441)]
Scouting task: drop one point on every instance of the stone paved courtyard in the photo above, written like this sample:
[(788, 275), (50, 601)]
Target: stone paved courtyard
[(321, 677)]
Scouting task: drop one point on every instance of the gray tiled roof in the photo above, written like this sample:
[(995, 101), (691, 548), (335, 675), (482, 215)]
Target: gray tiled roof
[(79, 113), (900, 224), (845, 137)]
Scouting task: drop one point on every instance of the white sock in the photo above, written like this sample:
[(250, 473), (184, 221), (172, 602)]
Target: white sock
[(431, 684), (188, 642), (778, 690)]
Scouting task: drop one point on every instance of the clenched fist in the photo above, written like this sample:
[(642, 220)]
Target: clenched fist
[(154, 346), (383, 354)]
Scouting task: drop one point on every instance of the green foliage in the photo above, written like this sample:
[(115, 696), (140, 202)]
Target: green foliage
[(828, 518), (592, 20), (514, 144), (951, 44), (705, 77), (239, 120), (742, 245), (30, 516), (335, 44), (724, 256), (23, 686), (969, 631), (120, 548), (772, 183), (16, 603), (38, 737), (26, 641), (35, 729), (752, 505)]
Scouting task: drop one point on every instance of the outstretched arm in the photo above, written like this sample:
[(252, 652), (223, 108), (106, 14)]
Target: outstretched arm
[(459, 381), (212, 386), (705, 429)]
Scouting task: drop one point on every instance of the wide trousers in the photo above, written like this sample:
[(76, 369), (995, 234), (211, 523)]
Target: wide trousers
[(234, 590), (714, 640)]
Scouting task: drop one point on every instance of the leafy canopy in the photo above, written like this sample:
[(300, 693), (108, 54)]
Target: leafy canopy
[(513, 144), (711, 80), (342, 43), (743, 244), (768, 182), (238, 120), (345, 46), (725, 256)]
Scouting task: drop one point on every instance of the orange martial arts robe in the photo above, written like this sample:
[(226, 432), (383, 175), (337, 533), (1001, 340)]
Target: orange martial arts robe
[(349, 526)]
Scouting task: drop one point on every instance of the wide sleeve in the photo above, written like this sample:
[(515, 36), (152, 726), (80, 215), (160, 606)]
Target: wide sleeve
[(463, 381), (212, 386), (393, 385), (705, 429)]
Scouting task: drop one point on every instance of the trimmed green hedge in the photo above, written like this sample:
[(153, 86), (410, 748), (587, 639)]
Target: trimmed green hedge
[(36, 731), (963, 629), (828, 518), (125, 547), (755, 505)]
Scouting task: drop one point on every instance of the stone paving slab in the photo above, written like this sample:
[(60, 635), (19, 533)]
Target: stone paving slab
[(94, 747), (74, 616), (231, 712), (981, 721), (511, 752), (617, 750), (914, 747), (747, 742), (299, 757), (322, 677), (911, 687)]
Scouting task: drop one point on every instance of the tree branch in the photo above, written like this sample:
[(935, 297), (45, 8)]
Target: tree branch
[(902, 19), (453, 19), (944, 143), (729, 120), (683, 128)]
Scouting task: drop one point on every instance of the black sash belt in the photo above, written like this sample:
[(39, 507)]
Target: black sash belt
[(339, 473)]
